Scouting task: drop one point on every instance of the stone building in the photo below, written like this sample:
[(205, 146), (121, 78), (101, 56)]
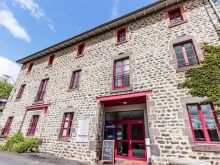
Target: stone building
[(2, 105), (118, 81)]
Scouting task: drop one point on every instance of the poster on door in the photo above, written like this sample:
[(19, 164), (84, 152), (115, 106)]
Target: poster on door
[(82, 131)]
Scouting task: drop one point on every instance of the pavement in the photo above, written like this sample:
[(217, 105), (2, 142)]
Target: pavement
[(8, 158)]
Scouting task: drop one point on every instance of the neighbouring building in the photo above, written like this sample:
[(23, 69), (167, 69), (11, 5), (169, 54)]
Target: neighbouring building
[(119, 81), (2, 105)]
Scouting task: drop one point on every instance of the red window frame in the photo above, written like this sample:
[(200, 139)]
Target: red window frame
[(20, 92), (75, 79), (33, 125), (203, 124), (185, 56), (69, 125), (6, 129), (123, 77), (175, 16), (121, 35), (30, 67), (42, 90), (51, 59), (81, 49)]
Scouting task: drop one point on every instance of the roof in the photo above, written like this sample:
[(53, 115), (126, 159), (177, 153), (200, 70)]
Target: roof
[(149, 9)]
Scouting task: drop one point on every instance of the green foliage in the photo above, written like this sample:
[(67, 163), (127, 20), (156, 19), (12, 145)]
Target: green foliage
[(28, 145), (204, 81), (5, 89), (16, 138)]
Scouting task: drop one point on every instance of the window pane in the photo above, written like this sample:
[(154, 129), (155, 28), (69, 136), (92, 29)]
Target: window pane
[(206, 109), (213, 135), (193, 110), (122, 132), (64, 132), (66, 124), (118, 70), (199, 135), (196, 122), (118, 63), (118, 81), (122, 148), (138, 150), (137, 132), (67, 116)]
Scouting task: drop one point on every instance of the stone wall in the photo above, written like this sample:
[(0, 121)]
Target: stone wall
[(153, 68)]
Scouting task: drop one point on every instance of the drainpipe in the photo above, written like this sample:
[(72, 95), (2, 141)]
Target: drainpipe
[(215, 10)]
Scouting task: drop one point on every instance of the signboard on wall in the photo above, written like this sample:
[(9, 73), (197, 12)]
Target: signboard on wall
[(82, 131)]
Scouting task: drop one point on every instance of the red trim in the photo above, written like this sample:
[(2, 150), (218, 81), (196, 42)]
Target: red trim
[(38, 106), (123, 96), (30, 67), (81, 49), (42, 90), (51, 59), (68, 129), (7, 127), (33, 125), (203, 123), (75, 79), (20, 92)]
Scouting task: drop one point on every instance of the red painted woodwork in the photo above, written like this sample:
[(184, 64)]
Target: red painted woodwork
[(37, 106), (204, 124), (121, 74), (6, 129), (30, 67), (66, 125), (121, 35), (185, 54), (130, 98), (130, 141), (175, 16), (20, 92), (81, 49), (42, 90), (33, 125), (51, 59), (74, 83)]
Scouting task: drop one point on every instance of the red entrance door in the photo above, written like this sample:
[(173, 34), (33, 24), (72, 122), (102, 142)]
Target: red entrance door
[(130, 140)]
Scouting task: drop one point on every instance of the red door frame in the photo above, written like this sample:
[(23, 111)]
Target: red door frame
[(129, 140)]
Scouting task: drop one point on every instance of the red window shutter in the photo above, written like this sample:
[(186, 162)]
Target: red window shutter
[(7, 127), (51, 59)]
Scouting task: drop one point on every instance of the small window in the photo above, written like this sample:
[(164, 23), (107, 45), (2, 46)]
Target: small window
[(175, 16), (121, 35), (30, 67), (42, 90), (7, 128), (51, 59), (75, 80), (185, 54), (33, 125), (81, 49), (204, 123), (121, 74), (66, 125), (20, 92)]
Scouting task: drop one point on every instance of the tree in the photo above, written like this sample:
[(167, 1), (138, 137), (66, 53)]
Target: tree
[(5, 89), (204, 80)]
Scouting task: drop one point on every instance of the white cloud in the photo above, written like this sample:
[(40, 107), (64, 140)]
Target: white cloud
[(35, 10), (8, 21), (8, 67), (115, 9)]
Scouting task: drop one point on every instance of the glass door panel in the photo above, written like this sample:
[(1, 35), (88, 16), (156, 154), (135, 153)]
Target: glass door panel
[(137, 132), (122, 132), (138, 150), (122, 149)]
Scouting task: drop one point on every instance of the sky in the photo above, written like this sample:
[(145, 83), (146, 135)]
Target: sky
[(27, 26)]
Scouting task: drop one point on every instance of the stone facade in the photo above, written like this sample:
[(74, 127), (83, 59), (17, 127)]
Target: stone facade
[(153, 67)]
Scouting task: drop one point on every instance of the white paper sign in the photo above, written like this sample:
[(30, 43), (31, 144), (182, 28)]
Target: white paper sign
[(82, 131)]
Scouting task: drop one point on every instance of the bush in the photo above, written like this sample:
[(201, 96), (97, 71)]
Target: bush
[(29, 145), (16, 138)]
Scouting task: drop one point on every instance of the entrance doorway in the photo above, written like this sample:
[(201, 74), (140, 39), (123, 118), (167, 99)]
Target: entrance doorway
[(128, 130)]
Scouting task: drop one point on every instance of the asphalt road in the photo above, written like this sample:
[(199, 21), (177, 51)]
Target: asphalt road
[(7, 158)]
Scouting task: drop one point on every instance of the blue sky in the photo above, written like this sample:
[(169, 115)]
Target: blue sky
[(27, 26)]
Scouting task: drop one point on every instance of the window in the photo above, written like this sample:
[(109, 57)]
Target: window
[(7, 127), (66, 125), (175, 16), (33, 125), (121, 35), (81, 49), (74, 83), (20, 92), (30, 67), (42, 90), (185, 54), (51, 58), (203, 123), (121, 73)]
